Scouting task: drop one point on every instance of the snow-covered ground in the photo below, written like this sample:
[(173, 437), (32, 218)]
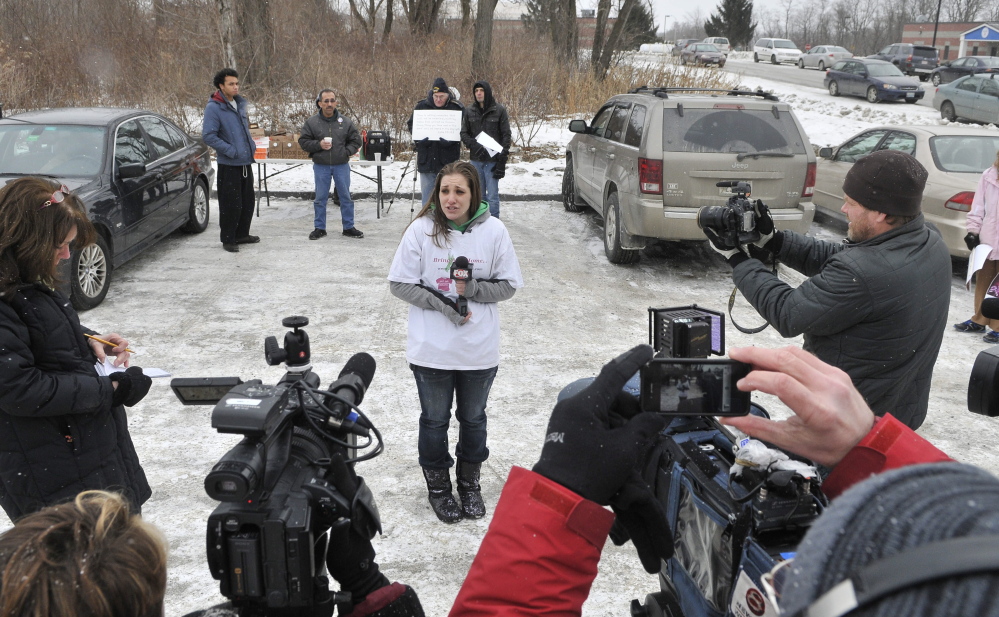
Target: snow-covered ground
[(196, 310)]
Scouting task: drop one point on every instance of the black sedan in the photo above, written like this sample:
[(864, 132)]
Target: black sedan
[(139, 175), (969, 65), (875, 80)]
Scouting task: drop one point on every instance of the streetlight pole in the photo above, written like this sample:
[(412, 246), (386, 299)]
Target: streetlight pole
[(665, 17), (936, 24)]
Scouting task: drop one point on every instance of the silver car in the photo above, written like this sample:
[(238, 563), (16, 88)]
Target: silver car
[(955, 158), (975, 97), (823, 57), (651, 158)]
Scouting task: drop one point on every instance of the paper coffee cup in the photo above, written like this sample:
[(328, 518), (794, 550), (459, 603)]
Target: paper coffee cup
[(327, 140)]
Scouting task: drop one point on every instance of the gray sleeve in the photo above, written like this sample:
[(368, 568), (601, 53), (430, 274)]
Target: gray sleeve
[(482, 290), (423, 298)]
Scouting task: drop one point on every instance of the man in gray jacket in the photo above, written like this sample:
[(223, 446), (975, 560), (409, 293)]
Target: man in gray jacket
[(331, 139), (876, 305)]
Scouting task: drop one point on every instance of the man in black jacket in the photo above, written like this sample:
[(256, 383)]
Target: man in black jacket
[(487, 116), (331, 139), (433, 154), (876, 305)]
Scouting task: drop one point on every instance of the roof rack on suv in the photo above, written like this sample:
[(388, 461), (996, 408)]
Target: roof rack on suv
[(663, 93)]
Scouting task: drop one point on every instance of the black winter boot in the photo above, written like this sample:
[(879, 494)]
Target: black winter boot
[(468, 490), (441, 498)]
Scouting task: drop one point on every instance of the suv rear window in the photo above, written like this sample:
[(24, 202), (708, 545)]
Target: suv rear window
[(925, 52), (730, 130)]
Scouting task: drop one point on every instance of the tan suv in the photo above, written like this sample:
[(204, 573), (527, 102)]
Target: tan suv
[(651, 158)]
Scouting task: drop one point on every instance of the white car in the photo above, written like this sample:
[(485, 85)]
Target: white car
[(720, 42), (776, 51)]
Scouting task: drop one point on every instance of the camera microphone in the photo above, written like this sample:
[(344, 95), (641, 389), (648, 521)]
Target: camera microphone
[(461, 270), (350, 385)]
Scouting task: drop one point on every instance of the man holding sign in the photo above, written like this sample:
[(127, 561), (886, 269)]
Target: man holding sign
[(436, 128), (485, 131)]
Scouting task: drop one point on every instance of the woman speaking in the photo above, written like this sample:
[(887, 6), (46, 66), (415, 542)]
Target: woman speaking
[(63, 429)]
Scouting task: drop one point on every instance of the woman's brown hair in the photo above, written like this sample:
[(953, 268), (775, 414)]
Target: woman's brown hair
[(441, 228), (30, 233), (87, 558)]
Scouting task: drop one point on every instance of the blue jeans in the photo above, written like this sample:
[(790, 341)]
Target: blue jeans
[(427, 182), (340, 176), (437, 389), (490, 185)]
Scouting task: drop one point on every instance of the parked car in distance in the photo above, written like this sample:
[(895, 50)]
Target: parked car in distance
[(702, 53), (955, 158), (875, 80), (823, 56), (975, 97), (915, 60), (950, 70), (720, 42), (776, 51), (651, 158), (678, 47), (139, 176)]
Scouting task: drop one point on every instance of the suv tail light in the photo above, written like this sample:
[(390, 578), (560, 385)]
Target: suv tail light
[(650, 176), (960, 202), (809, 189)]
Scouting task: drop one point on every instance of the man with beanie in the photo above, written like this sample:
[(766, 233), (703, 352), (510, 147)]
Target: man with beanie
[(876, 305), (487, 116), (433, 154), (331, 139), (226, 128)]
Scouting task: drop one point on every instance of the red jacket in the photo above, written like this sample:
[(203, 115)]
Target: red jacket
[(540, 554)]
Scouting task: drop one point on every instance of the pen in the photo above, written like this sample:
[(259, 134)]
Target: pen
[(108, 343)]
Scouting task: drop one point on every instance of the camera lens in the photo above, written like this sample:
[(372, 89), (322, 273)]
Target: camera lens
[(718, 218)]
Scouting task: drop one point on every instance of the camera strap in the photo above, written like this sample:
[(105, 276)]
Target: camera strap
[(731, 303)]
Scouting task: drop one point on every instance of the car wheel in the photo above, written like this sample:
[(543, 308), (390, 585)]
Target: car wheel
[(197, 217), (683, 61), (773, 59), (947, 111), (755, 57), (612, 234), (833, 88), (911, 101), (822, 65), (90, 274), (935, 79), (923, 77), (801, 63), (569, 188), (872, 95)]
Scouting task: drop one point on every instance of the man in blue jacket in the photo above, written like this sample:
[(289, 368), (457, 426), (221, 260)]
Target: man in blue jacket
[(227, 129)]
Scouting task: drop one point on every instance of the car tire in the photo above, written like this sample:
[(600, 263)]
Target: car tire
[(755, 57), (872, 95), (683, 60), (947, 111), (822, 65), (612, 234), (197, 216), (833, 88), (773, 59), (569, 188), (90, 274), (923, 77), (801, 63), (911, 101), (935, 79)]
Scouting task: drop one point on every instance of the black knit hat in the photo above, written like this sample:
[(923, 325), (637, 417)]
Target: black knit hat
[(440, 86), (887, 181), (890, 514)]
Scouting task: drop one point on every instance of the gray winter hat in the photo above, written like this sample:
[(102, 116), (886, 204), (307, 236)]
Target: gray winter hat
[(892, 513)]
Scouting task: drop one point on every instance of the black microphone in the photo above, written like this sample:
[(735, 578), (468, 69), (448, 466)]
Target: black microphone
[(350, 385), (461, 270)]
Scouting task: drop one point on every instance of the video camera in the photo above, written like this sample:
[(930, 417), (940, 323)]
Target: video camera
[(289, 485), (728, 530), (735, 222)]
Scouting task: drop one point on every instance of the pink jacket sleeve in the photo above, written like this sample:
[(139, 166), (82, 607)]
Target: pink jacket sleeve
[(540, 554), (889, 445), (977, 214)]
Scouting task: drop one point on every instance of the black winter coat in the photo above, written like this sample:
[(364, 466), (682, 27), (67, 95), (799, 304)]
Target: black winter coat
[(433, 154), (492, 118), (876, 309), (339, 128), (59, 434)]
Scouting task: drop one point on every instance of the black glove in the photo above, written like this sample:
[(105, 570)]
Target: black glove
[(132, 386), (764, 223), (972, 241), (351, 561), (478, 152), (641, 517), (586, 449), (720, 245), (499, 169)]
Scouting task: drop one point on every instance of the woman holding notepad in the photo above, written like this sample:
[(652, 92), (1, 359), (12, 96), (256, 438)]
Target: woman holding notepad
[(983, 228), (63, 427)]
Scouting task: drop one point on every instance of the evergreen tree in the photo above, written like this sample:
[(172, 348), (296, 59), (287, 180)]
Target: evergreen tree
[(734, 21), (641, 27)]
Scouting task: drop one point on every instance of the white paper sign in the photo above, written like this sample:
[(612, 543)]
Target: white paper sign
[(492, 146), (436, 124), (977, 260)]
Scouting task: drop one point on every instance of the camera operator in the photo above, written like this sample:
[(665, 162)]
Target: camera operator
[(876, 305)]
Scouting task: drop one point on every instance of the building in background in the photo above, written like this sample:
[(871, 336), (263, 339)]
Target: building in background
[(955, 40)]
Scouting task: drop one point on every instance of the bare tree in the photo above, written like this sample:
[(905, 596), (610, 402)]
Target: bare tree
[(565, 35), (964, 10), (256, 45), (603, 10), (227, 32), (422, 15), (365, 13), (483, 44), (466, 13), (389, 10), (614, 39)]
